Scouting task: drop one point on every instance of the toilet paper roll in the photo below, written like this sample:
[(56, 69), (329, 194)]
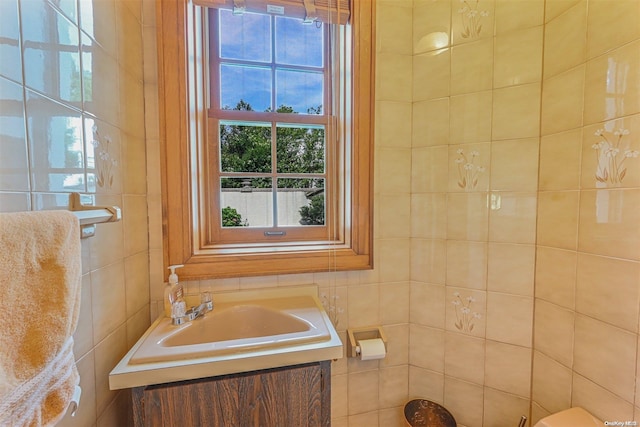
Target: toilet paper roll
[(372, 349)]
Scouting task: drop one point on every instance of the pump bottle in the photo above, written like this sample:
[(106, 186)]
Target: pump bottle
[(173, 292)]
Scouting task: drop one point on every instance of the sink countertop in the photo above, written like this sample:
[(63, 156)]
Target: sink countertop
[(127, 374)]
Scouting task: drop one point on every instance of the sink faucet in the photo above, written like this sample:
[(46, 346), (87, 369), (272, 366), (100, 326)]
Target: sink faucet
[(206, 305)]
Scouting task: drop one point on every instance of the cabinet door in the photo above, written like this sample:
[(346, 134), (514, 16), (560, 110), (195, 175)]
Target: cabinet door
[(293, 396)]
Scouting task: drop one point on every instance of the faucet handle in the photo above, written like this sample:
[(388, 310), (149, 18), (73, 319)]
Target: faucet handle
[(205, 299)]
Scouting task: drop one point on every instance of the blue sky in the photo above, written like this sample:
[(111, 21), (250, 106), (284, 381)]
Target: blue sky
[(248, 37)]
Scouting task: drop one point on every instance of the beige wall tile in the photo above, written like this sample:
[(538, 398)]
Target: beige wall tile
[(556, 276), (425, 384), (512, 15), (466, 311), (394, 260), (464, 400), (466, 264), (428, 260), (510, 318), (393, 82), (508, 368), (108, 300), (512, 217), (470, 118), (107, 246), (554, 8), (518, 54), (427, 305), (429, 215), (136, 273), (500, 409), (394, 32), (107, 354), (554, 332), (514, 165), (469, 167), (363, 305), (516, 112), (393, 128), (394, 215), (431, 75), (471, 21), (431, 26), (511, 268), (600, 401), (467, 216), (609, 223), (560, 160), (394, 300), (426, 348), (430, 122), (83, 336), (132, 105), (558, 219), (472, 66), (135, 224), (565, 41), (366, 419), (537, 413), (134, 171), (562, 101), (363, 392), (397, 345), (611, 24), (393, 170), (611, 89), (607, 289), (611, 154), (137, 325), (429, 169), (394, 386), (464, 357), (594, 358), (339, 397), (551, 383), (391, 416)]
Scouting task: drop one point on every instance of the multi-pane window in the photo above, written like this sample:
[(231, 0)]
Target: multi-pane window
[(271, 108), (267, 131)]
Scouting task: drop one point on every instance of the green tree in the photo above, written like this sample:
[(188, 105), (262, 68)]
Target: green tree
[(299, 150), (313, 213), (231, 218)]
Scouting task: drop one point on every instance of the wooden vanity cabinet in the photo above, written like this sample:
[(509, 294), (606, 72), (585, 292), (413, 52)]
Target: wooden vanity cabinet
[(289, 396)]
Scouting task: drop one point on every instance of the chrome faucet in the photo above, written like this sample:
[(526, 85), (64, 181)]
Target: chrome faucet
[(206, 305)]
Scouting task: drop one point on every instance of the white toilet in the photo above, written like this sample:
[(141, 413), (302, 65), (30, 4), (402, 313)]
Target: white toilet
[(574, 417)]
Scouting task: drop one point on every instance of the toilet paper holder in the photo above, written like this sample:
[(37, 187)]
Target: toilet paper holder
[(367, 333)]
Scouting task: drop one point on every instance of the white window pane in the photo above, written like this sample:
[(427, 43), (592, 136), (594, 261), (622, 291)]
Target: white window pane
[(245, 37), (299, 90), (298, 43), (246, 202), (248, 85), (300, 202)]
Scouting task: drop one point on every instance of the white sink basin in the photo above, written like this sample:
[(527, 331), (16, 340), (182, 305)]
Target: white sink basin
[(245, 331), (259, 323)]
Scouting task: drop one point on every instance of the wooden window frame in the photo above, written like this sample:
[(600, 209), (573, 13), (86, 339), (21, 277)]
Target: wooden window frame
[(183, 118)]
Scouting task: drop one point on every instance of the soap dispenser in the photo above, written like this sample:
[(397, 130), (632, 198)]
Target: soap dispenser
[(173, 291)]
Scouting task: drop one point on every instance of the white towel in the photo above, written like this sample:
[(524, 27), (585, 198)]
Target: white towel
[(40, 278)]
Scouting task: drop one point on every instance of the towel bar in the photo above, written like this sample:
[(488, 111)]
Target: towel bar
[(89, 215)]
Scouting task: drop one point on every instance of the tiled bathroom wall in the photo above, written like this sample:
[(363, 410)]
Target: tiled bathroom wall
[(477, 73), (72, 119), (506, 200), (588, 238)]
